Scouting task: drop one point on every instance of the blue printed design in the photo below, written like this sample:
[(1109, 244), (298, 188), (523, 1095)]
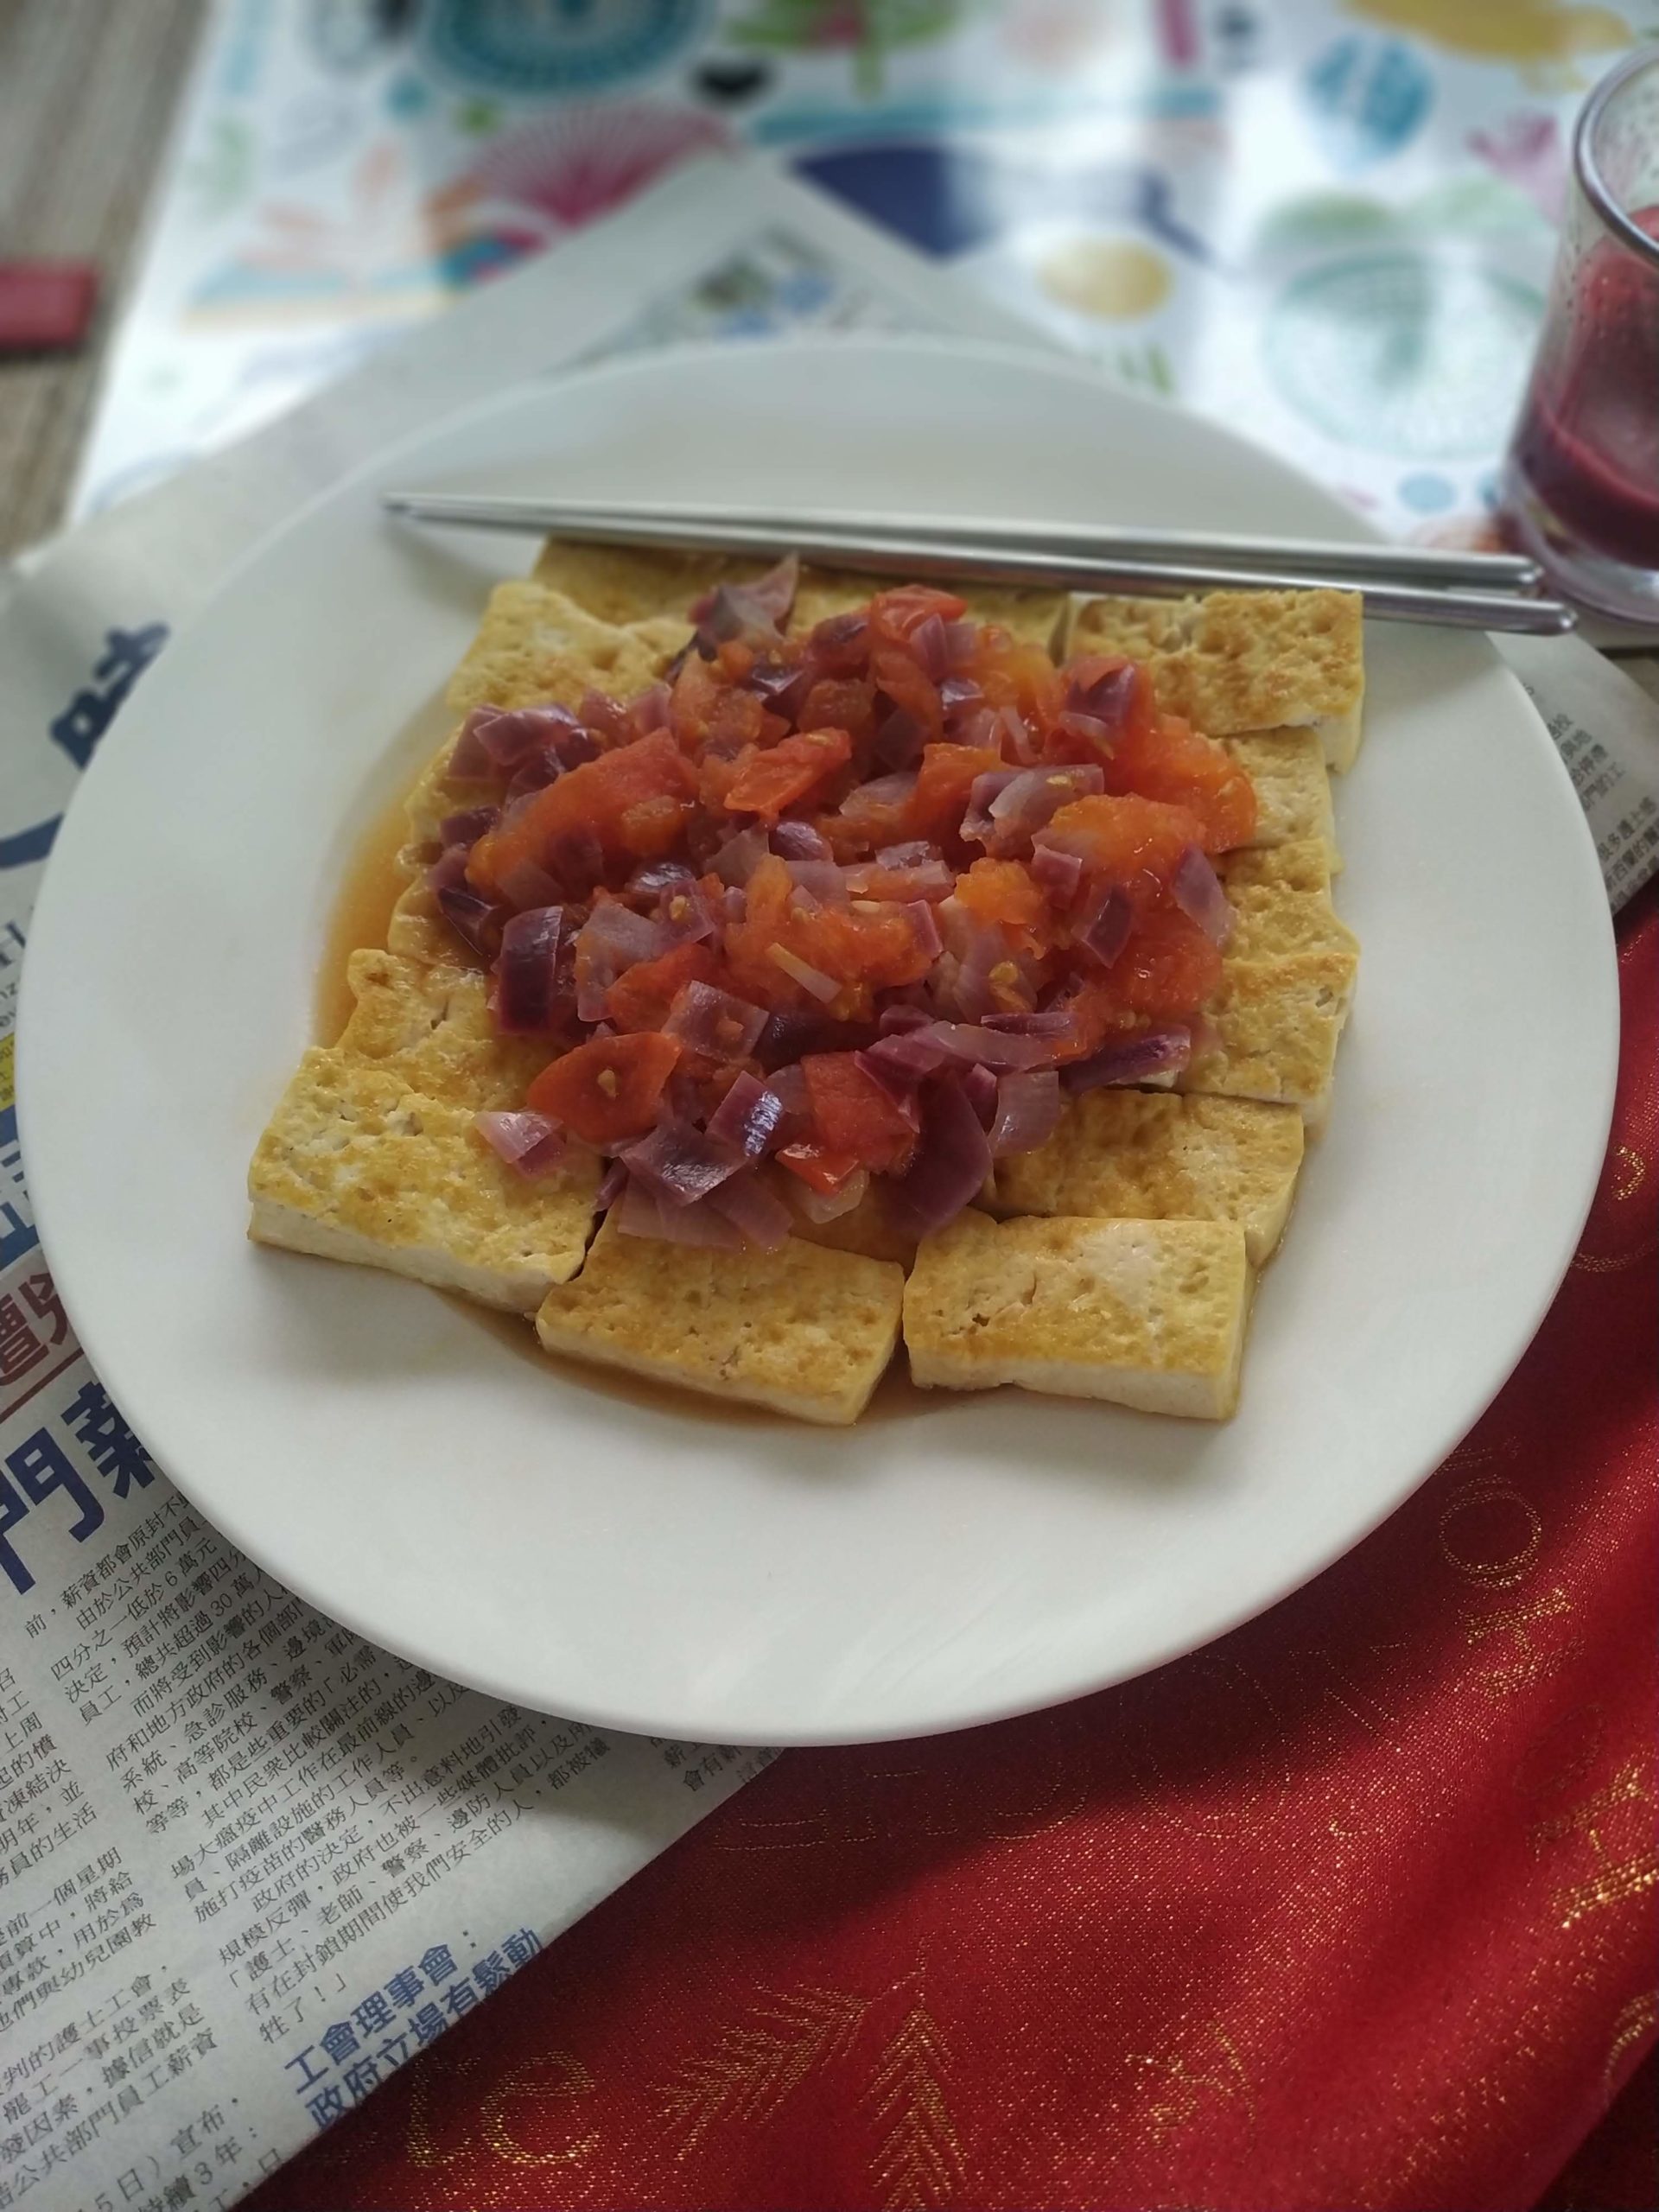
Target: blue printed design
[(126, 655), (952, 199), (1369, 98), (572, 46), (31, 844)]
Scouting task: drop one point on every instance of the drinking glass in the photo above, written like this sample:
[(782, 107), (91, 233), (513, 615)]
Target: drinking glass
[(1581, 485)]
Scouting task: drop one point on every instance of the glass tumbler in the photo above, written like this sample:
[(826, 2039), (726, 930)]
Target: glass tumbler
[(1581, 484)]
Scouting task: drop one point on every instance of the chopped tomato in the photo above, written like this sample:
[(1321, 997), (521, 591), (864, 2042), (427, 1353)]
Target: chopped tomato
[(641, 996), (895, 616), (767, 783), (862, 950), (740, 718), (841, 703), (839, 645), (1133, 842), (821, 1170), (853, 1115), (1012, 672), (634, 801), (1137, 721), (909, 686), (607, 1089), (1004, 892), (1166, 972), (696, 692), (944, 787), (1169, 761)]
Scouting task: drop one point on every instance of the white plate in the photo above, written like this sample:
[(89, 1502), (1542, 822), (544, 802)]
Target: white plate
[(638, 1561)]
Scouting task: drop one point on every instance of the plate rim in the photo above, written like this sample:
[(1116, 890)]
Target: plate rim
[(654, 364)]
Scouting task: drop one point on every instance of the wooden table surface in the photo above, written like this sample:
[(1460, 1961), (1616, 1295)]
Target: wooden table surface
[(88, 93)]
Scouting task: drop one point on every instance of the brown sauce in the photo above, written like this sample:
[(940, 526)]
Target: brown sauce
[(369, 888)]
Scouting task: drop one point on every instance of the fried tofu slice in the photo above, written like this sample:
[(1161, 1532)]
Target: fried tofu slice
[(1235, 661), (534, 647), (428, 1024), (626, 585), (1272, 1031), (1281, 898), (1145, 1155), (1293, 788), (1145, 1314), (805, 1331), (1038, 617), (355, 1166)]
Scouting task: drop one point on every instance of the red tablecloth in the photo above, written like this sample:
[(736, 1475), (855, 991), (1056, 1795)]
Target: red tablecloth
[(1357, 1908)]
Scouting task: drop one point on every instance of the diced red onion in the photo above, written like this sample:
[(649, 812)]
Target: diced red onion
[(799, 841), (475, 920), (612, 1184), (527, 884), (532, 975), (679, 1163), (1105, 931), (821, 880), (909, 1054), (605, 717), (650, 881), (961, 642), (901, 1088), (977, 824), (1087, 728), (883, 795), (733, 904), (740, 856), (916, 852), (1054, 1025), (467, 826), (920, 914), (829, 1206), (1058, 873), (577, 859), (448, 871), (1197, 891), (837, 633), (736, 613), (992, 1048), (640, 1213), (650, 710), (757, 1214), (978, 726), (1131, 1060), (899, 740), (1029, 801), (957, 692), (823, 988), (979, 1088), (1016, 739), (950, 1164), (1106, 698), (788, 1085), (1027, 1111), (714, 1022), (747, 1116), (895, 1019), (684, 912), (529, 1143), (781, 687), (925, 880), (774, 592), (613, 938), (928, 642)]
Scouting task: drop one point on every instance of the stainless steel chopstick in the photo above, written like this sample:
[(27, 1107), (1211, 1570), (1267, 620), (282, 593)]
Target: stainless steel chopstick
[(1029, 554), (1078, 541)]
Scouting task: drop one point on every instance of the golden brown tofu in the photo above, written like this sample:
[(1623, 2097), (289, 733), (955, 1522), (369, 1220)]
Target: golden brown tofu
[(1144, 1155), (1276, 1025), (429, 1025), (355, 1166), (536, 647), (1235, 661), (1293, 788), (806, 1332), (1145, 1314)]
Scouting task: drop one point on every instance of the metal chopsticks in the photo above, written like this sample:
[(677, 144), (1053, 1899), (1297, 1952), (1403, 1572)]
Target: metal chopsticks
[(1478, 591)]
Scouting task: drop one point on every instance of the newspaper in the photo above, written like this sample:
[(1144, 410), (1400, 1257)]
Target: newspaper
[(248, 1863)]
